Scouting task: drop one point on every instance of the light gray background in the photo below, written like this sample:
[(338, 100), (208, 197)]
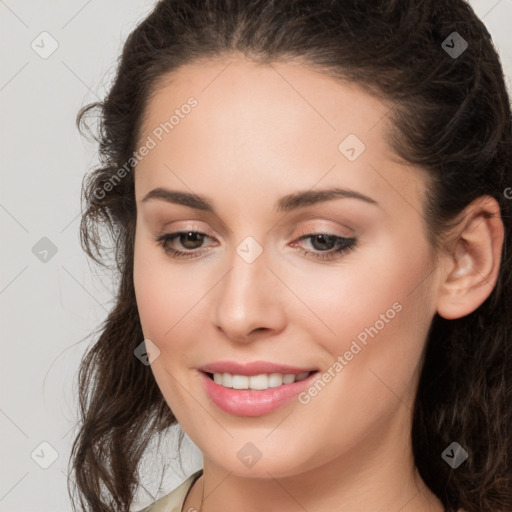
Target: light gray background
[(49, 307)]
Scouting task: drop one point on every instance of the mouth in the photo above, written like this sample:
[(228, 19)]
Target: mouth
[(254, 395), (258, 382)]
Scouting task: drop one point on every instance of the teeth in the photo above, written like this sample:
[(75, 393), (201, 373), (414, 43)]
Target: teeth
[(239, 381), (262, 381)]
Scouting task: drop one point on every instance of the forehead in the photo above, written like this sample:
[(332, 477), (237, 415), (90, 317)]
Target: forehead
[(282, 92), (272, 126)]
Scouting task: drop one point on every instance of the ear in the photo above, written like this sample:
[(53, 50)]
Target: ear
[(472, 260)]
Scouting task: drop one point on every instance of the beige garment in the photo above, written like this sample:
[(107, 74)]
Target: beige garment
[(173, 502)]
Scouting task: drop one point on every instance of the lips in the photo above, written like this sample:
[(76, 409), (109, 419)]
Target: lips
[(253, 402), (250, 402), (253, 368)]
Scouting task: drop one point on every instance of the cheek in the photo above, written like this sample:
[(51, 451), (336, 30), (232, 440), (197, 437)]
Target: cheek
[(148, 291), (373, 356), (167, 298), (376, 309), (156, 288)]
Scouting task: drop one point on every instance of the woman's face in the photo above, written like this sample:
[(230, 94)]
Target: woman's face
[(262, 145)]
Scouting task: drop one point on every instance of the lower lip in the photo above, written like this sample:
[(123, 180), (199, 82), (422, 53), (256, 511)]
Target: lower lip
[(253, 402)]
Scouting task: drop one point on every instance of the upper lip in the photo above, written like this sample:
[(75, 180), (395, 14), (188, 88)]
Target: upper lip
[(252, 368)]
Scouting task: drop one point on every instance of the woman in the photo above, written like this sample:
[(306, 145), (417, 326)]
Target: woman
[(312, 231)]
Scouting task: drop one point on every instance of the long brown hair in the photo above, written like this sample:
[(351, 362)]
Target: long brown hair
[(450, 115)]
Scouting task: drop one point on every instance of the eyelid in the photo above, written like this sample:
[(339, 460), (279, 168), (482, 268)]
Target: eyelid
[(307, 229), (327, 230), (190, 226)]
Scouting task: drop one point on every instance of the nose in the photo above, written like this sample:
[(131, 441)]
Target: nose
[(248, 303)]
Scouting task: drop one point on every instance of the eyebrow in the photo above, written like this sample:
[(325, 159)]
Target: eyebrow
[(286, 203)]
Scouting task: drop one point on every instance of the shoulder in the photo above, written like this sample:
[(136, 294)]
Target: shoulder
[(173, 502)]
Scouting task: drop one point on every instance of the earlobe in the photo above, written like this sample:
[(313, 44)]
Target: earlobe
[(472, 266)]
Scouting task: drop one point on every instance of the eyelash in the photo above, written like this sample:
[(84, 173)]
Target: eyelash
[(344, 245)]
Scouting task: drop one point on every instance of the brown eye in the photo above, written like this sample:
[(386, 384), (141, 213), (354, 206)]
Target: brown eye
[(327, 247), (323, 242), (191, 239)]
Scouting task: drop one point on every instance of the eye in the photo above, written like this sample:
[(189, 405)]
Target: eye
[(190, 240), (325, 243), (326, 246)]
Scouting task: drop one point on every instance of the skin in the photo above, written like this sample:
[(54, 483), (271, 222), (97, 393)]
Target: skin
[(259, 133)]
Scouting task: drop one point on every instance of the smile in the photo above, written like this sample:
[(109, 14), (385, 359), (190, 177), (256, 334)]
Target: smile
[(259, 382), (272, 391)]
